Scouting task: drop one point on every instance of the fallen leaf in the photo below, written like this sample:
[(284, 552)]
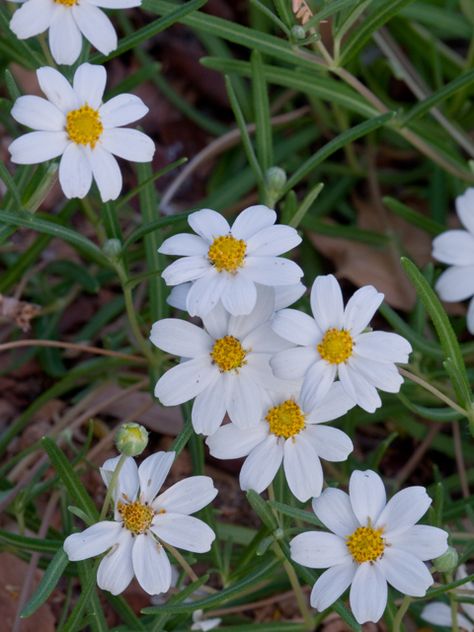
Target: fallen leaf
[(19, 312)]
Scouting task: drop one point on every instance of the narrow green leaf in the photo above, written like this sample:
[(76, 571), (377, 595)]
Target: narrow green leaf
[(149, 227), (12, 88), (306, 204), (68, 476), (262, 509), (9, 183), (152, 178), (48, 583), (88, 583), (261, 106), (74, 272), (30, 544), (295, 513), (417, 219)]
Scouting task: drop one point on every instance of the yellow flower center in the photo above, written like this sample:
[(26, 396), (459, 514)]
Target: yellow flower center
[(336, 346), (286, 420), (228, 354), (366, 544), (227, 253), (83, 126), (136, 516), (66, 3)]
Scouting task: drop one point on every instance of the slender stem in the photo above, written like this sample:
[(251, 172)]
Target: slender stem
[(397, 622), (432, 389), (453, 605), (184, 565), (69, 345), (299, 594), (111, 487)]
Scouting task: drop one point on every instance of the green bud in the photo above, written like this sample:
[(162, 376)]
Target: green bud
[(275, 179), (112, 248), (131, 439), (298, 32), (447, 562)]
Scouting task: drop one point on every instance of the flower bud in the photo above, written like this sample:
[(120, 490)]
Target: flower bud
[(112, 248), (298, 32), (275, 179), (447, 562), (131, 439)]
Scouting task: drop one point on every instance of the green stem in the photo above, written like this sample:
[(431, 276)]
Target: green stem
[(434, 391), (111, 487), (453, 604), (300, 596), (397, 622)]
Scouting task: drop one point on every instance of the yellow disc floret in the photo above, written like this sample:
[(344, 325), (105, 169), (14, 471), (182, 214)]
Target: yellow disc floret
[(286, 420), (136, 516), (84, 126), (227, 253), (66, 3), (336, 346), (366, 544), (228, 354)]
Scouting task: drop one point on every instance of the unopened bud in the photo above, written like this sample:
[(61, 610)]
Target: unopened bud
[(112, 248), (131, 439), (275, 179), (298, 32), (447, 562)]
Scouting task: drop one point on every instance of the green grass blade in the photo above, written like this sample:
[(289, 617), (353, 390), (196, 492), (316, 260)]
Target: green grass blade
[(261, 106), (48, 583)]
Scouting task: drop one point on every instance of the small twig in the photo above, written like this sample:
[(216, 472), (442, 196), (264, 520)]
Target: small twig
[(73, 346), (185, 566), (256, 604)]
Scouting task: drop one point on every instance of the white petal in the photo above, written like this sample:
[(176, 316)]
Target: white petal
[(272, 271), (317, 549), (186, 269), (89, 84), (116, 4), (405, 572), (106, 173), (152, 473), (361, 308), (367, 495), (92, 541), (368, 596), (208, 224), (331, 585), (292, 364), (297, 327), (75, 172), (273, 241), (216, 322), (382, 375), (57, 89), (127, 484), (38, 114), (242, 326), (96, 27), (358, 388), (180, 338), (286, 295), (185, 532), (239, 295), (261, 465), (334, 509), (151, 565), (115, 571), (456, 283), (422, 541), (128, 143), (252, 220), (209, 409), (465, 209), (455, 247), (36, 147), (65, 39), (32, 18), (440, 614), (187, 496), (470, 317), (335, 404), (326, 302), (383, 347), (178, 295), (317, 383), (403, 510), (206, 292), (302, 467), (263, 340), (184, 244), (329, 443), (185, 381), (244, 400), (122, 110), (232, 442)]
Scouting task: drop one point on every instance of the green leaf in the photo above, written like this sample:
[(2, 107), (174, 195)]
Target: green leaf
[(262, 509), (362, 34), (413, 217), (29, 544), (306, 205), (261, 106), (70, 479), (48, 583), (295, 513), (74, 272)]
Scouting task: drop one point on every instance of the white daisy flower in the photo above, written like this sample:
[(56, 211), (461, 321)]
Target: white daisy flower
[(285, 295), (143, 518), (225, 263), (289, 432), (74, 123), (226, 364), (456, 248), (372, 542), (67, 21), (439, 613), (202, 624), (333, 344)]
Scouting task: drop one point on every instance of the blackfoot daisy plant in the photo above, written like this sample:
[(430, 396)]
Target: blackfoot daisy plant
[(74, 123)]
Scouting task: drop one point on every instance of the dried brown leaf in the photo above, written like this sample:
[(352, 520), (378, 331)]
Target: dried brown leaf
[(19, 312)]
